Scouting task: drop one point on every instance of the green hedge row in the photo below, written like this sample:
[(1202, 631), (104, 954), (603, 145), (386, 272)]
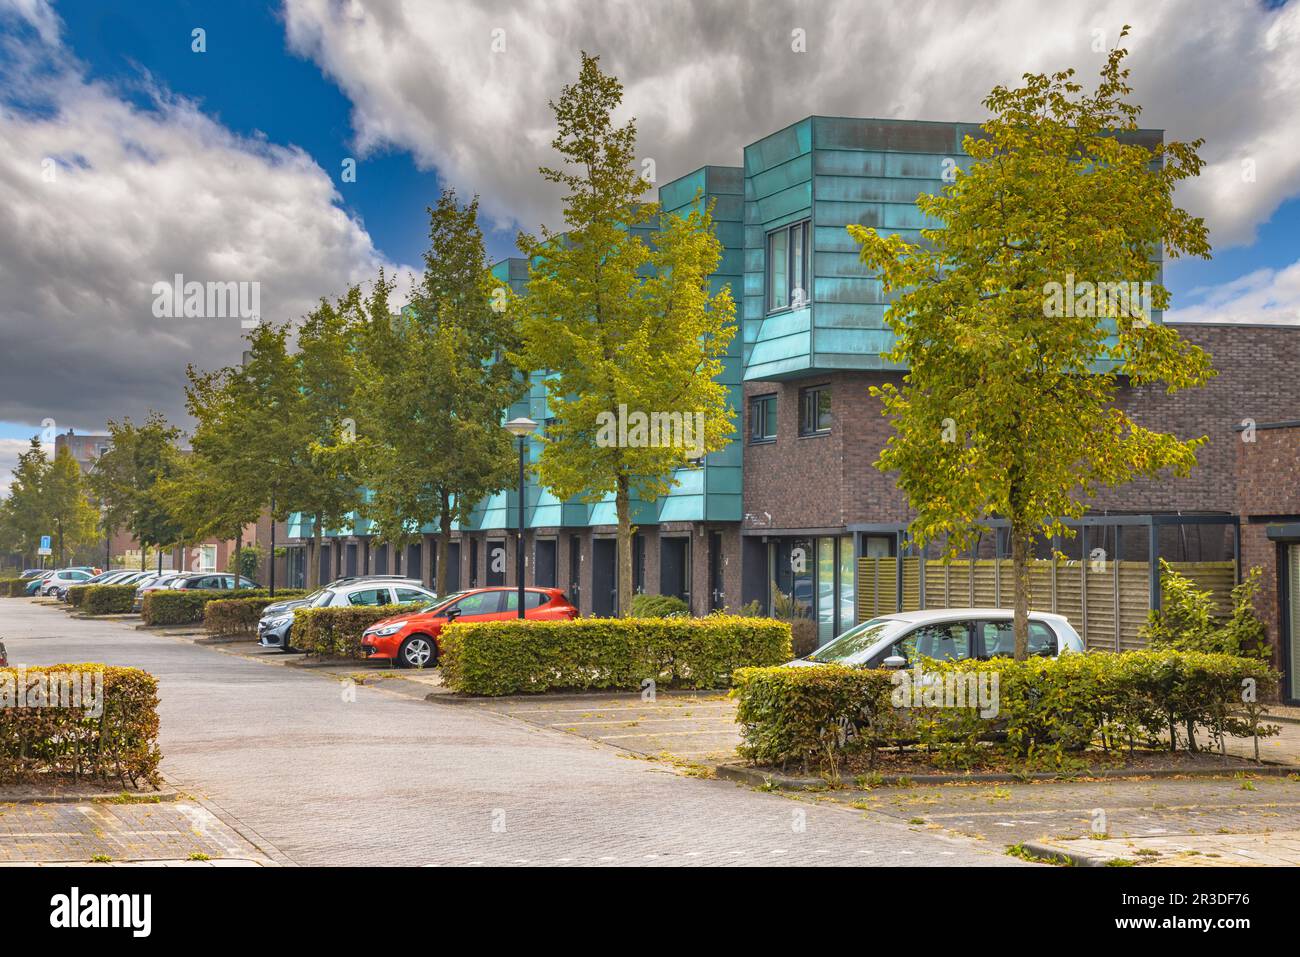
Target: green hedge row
[(106, 599), (168, 606), (505, 657), (336, 632), (77, 594), (114, 740), (1041, 708), (14, 587), (239, 616)]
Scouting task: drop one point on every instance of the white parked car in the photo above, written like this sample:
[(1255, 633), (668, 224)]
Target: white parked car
[(273, 629), (62, 579), (947, 634)]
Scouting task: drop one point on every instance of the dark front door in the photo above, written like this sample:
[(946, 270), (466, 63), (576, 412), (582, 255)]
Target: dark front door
[(717, 597), (453, 567), (604, 577), (473, 563), (575, 571), (544, 562), (675, 567)]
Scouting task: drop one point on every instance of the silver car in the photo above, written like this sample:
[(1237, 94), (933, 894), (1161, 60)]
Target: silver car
[(948, 634), (273, 629)]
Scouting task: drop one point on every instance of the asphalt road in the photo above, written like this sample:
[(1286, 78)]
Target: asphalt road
[(325, 774)]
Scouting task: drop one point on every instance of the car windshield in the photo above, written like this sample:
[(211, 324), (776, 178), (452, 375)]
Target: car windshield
[(439, 602), (852, 647)]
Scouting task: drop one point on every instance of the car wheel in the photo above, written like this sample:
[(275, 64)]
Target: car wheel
[(284, 642), (417, 651)]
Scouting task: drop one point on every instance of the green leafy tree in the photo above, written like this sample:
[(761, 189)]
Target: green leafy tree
[(1007, 408), (627, 333), (26, 516), (129, 480), (434, 381), (66, 506)]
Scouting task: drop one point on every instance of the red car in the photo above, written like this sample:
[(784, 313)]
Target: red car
[(413, 639)]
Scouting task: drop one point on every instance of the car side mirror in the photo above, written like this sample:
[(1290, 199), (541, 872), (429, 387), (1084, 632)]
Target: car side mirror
[(453, 614), (894, 662)]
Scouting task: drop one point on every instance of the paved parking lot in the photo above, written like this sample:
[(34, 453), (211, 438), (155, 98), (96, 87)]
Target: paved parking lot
[(319, 771)]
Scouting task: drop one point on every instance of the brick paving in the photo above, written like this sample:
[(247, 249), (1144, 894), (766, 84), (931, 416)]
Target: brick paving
[(69, 832), (1277, 849), (318, 771)]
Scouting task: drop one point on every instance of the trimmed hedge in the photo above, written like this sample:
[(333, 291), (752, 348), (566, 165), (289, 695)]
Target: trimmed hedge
[(168, 606), (658, 606), (239, 616), (77, 594), (1044, 707), (106, 599), (14, 587), (120, 744), (505, 657), (336, 632)]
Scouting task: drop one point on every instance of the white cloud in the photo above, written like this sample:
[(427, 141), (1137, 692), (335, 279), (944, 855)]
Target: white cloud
[(705, 78), (1262, 296), (138, 195)]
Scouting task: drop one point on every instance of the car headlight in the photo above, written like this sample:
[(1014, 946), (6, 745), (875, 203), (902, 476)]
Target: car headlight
[(278, 621), (389, 629)]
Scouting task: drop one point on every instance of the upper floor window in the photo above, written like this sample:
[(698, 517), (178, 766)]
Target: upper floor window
[(762, 418), (815, 410), (787, 267)]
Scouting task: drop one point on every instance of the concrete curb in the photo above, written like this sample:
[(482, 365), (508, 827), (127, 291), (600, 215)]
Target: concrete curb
[(756, 777), (1062, 856), (595, 697), (166, 793)]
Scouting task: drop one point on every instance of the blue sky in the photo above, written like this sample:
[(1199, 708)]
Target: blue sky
[(286, 91)]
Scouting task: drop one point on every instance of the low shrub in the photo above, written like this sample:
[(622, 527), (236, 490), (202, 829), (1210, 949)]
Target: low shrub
[(77, 594), (111, 735), (1039, 710), (107, 599), (1186, 619), (505, 657), (239, 616), (9, 587), (336, 632), (659, 606), (168, 606)]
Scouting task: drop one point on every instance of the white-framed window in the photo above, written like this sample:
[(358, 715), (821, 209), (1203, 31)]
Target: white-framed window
[(787, 267)]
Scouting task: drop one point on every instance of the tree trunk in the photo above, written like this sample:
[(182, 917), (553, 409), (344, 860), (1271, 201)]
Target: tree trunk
[(313, 560), (1020, 541), (239, 558), (444, 544), (624, 508)]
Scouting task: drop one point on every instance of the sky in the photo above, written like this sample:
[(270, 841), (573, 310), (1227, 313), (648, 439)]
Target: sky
[(133, 149)]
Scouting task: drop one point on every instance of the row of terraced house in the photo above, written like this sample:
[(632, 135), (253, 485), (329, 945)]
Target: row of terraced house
[(794, 504)]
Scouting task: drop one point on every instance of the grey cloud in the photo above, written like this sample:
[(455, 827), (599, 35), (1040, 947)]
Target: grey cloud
[(704, 78)]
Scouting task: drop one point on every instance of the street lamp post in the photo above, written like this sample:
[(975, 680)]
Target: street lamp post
[(521, 428)]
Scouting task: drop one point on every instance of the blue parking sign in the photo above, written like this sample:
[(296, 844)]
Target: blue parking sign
[(45, 546)]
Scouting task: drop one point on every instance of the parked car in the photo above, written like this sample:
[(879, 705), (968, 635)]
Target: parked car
[(64, 577), (273, 629), (36, 582), (901, 640), (412, 640), (60, 591), (152, 581), (210, 581), (4, 656), (32, 572)]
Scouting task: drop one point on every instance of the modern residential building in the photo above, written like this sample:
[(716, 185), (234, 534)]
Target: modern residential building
[(795, 503)]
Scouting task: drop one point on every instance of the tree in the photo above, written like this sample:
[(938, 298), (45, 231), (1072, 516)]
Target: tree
[(66, 508), (216, 491), (1007, 408), (129, 480), (327, 486), (433, 382), (24, 508), (631, 336)]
